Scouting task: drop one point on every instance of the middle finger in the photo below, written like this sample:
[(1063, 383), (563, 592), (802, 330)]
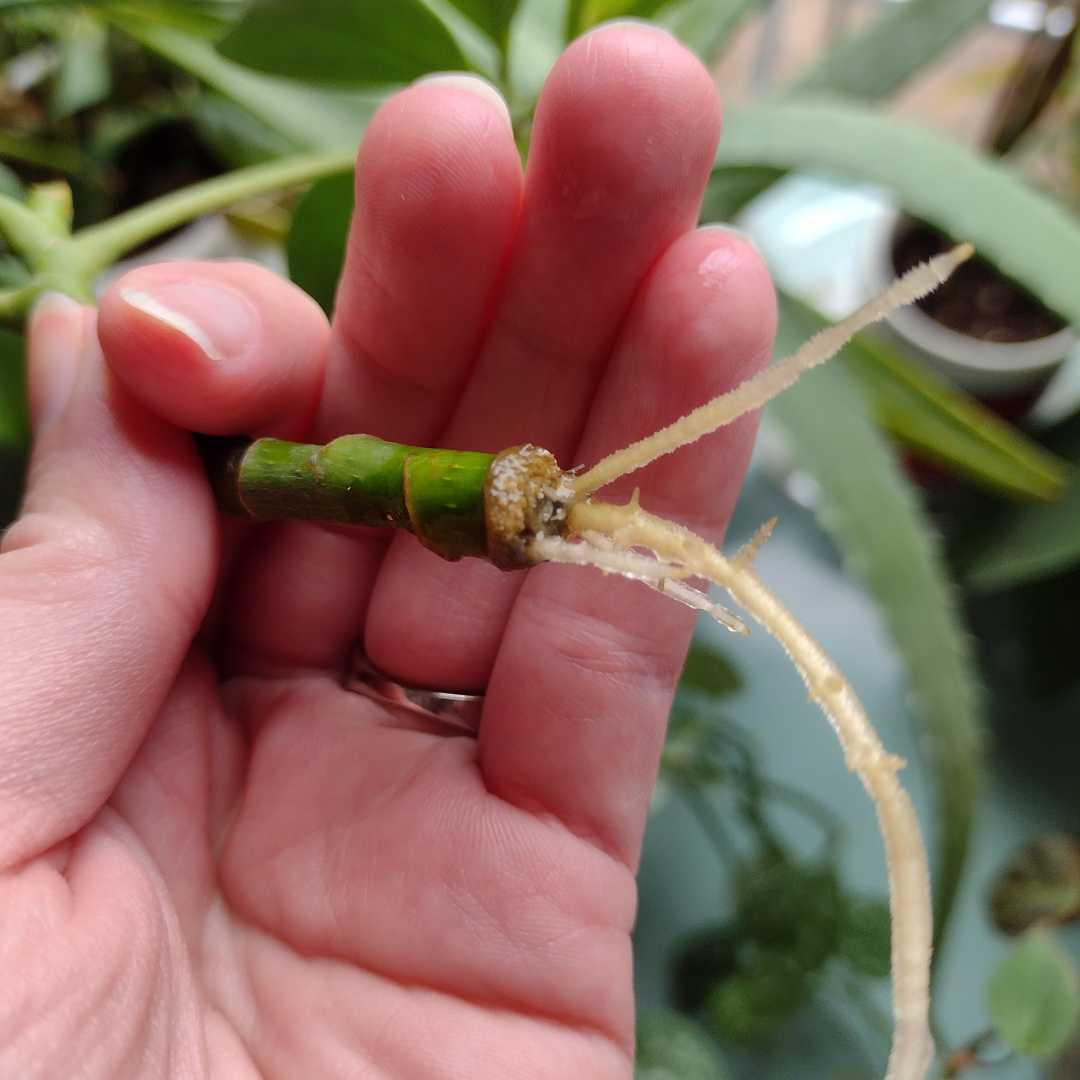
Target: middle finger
[(623, 140)]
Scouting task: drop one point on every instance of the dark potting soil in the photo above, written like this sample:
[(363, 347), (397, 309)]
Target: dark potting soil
[(977, 300)]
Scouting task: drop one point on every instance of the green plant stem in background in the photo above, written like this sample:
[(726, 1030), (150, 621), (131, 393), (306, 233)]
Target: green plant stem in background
[(101, 245), (66, 263), (870, 510)]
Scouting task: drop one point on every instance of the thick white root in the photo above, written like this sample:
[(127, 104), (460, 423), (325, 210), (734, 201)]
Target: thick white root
[(617, 529)]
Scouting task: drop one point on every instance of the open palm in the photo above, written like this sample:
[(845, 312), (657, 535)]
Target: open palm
[(218, 862)]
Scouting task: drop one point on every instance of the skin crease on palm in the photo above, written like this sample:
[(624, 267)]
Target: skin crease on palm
[(215, 861)]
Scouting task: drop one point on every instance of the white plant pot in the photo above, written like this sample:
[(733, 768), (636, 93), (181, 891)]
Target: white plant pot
[(987, 369)]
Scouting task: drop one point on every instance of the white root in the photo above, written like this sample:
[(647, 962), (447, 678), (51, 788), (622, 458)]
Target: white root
[(909, 876), (661, 576), (753, 393)]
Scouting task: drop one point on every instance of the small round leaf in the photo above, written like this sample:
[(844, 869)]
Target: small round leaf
[(1033, 998)]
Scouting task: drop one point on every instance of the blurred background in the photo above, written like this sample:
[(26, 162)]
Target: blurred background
[(925, 484)]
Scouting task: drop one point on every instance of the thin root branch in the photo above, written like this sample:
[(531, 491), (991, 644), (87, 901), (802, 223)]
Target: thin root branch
[(909, 877), (595, 549), (745, 556), (753, 393)]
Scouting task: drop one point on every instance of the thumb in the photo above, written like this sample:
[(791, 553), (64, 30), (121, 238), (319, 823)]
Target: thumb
[(104, 580)]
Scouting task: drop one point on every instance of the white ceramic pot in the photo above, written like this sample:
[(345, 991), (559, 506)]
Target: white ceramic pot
[(987, 369)]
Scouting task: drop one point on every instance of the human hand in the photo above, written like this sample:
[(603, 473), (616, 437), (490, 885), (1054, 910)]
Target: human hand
[(218, 862)]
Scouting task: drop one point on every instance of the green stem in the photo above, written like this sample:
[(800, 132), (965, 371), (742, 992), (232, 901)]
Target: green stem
[(358, 480), (27, 234), (99, 246)]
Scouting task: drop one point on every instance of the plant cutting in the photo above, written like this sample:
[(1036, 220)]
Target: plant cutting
[(518, 509)]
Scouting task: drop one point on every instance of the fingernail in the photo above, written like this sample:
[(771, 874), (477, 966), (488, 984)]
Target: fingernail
[(728, 228), (731, 230), (474, 85), (54, 355), (222, 323), (629, 20)]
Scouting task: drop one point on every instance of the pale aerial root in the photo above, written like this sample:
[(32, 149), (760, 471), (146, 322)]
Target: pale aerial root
[(753, 393), (625, 527)]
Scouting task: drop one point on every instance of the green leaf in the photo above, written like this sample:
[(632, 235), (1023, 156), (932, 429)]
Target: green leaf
[(946, 425), (673, 1047), (791, 909), (705, 25), (1030, 543), (1033, 998), (84, 78), (866, 937), (729, 190), (310, 118), (750, 1005), (709, 672), (348, 43), (492, 16), (703, 958), (317, 238), (891, 49), (1026, 234), (871, 511), (583, 14), (14, 419)]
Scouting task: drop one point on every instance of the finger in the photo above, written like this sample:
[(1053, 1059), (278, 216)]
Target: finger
[(576, 707), (623, 141), (103, 581), (220, 348), (438, 191)]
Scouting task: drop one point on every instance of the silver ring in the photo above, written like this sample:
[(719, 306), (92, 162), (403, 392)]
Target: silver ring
[(460, 710)]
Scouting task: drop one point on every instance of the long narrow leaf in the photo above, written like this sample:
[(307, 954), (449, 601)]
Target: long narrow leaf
[(312, 119), (894, 47), (943, 423), (872, 513), (1026, 234), (705, 25), (1030, 543)]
